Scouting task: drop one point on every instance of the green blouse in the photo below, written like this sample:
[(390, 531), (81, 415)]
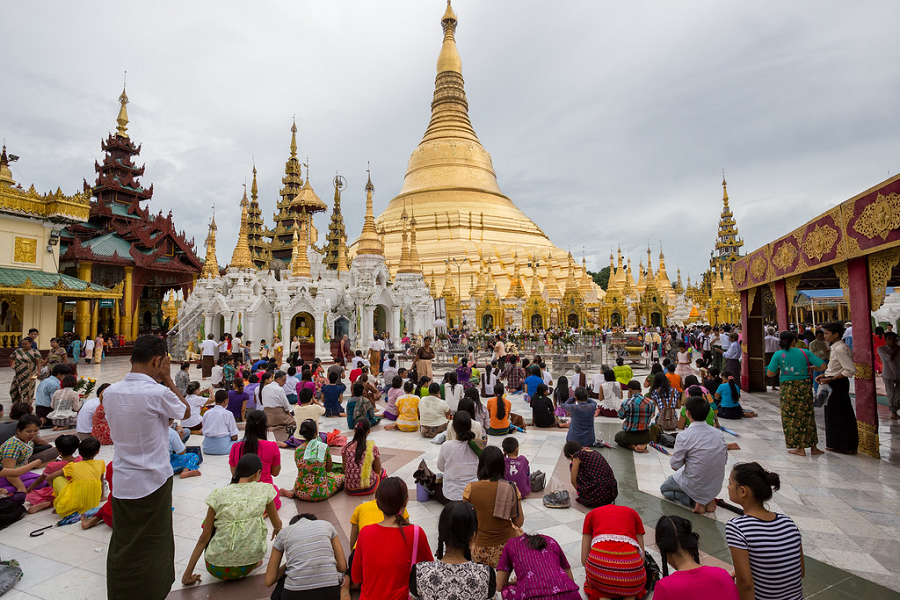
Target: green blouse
[(793, 364), (240, 537)]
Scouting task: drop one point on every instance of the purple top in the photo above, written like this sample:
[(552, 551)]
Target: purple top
[(518, 472), (235, 401), (250, 390), (539, 573)]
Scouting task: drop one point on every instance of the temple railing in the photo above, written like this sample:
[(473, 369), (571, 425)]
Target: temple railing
[(184, 331)]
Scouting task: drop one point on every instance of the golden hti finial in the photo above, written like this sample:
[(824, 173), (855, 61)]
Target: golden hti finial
[(254, 190), (122, 119), (369, 242), (241, 258), (448, 59), (413, 246), (724, 189), (299, 261), (211, 265), (294, 138)]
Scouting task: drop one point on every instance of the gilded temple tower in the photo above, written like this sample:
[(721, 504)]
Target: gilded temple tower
[(728, 243), (336, 258), (256, 229)]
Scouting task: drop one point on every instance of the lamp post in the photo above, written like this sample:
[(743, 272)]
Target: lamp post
[(458, 263)]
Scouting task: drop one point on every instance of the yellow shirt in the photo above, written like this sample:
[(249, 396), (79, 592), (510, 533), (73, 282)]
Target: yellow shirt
[(408, 419), (368, 513), (83, 488)]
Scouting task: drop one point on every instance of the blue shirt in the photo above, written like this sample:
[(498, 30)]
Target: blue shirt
[(581, 429), (332, 394), (45, 389), (259, 365), (531, 383), (725, 392)]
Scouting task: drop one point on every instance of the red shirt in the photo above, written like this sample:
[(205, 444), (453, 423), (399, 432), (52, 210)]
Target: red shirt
[(613, 519), (354, 375), (382, 561)]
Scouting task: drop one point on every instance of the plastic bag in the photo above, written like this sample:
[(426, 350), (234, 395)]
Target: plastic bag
[(822, 395), (557, 496)]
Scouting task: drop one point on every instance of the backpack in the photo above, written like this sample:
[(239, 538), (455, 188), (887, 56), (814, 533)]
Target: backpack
[(10, 512)]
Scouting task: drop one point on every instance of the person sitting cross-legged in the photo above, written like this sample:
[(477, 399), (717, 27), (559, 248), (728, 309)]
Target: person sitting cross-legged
[(699, 459), (636, 410)]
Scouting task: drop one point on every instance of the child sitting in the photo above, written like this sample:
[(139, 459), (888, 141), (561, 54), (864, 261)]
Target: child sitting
[(196, 402), (307, 407), (237, 400), (42, 498), (66, 404), (219, 427), (543, 412), (517, 469), (182, 461), (390, 411), (228, 371), (79, 485), (408, 408), (331, 396)]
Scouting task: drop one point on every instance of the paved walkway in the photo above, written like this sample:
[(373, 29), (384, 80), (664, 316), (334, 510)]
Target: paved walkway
[(848, 508)]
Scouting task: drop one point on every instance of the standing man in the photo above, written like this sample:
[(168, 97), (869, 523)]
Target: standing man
[(208, 350), (346, 351), (890, 371), (375, 349), (295, 351), (33, 333), (141, 558), (88, 350)]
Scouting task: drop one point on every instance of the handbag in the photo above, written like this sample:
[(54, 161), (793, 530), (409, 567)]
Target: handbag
[(668, 418), (822, 395), (195, 450), (10, 574), (653, 572), (10, 511), (538, 481)]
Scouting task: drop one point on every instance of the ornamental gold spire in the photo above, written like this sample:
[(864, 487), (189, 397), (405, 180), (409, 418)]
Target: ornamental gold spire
[(211, 266), (299, 261), (586, 283), (406, 265), (336, 249), (448, 59), (241, 258), (294, 139), (413, 247), (369, 242), (551, 284), (122, 119), (256, 230), (6, 178), (516, 289)]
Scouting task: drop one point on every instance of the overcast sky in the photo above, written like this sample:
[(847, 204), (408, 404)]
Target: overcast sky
[(623, 113)]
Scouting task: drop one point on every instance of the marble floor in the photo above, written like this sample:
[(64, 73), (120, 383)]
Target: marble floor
[(847, 507)]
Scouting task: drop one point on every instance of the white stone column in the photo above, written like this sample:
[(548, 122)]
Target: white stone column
[(323, 350), (395, 323), (230, 323), (207, 324)]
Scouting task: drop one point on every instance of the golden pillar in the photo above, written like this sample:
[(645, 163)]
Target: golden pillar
[(83, 307), (95, 317), (60, 317), (117, 321), (128, 308), (134, 325)]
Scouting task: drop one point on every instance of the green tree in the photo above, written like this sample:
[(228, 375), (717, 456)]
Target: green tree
[(601, 278)]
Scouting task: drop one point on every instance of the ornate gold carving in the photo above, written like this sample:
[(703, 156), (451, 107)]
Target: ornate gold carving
[(820, 241), (16, 305), (840, 270), (881, 264), (25, 250), (863, 370), (879, 218), (785, 256), (757, 267), (55, 204), (790, 288), (868, 439), (740, 272), (751, 297)]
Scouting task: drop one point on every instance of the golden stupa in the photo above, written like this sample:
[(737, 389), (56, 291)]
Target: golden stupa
[(458, 210)]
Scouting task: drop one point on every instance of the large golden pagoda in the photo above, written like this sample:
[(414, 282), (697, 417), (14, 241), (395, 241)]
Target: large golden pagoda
[(458, 209)]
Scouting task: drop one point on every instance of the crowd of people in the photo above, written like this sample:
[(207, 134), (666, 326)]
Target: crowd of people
[(483, 546)]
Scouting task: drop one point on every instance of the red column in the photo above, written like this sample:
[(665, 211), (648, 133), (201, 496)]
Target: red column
[(781, 306), (866, 405), (745, 329)]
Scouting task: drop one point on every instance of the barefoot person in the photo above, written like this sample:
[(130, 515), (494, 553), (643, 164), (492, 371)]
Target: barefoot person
[(636, 412), (141, 559), (699, 461), (798, 418)]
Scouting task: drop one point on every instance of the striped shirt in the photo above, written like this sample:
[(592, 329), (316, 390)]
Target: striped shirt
[(775, 553), (308, 555)]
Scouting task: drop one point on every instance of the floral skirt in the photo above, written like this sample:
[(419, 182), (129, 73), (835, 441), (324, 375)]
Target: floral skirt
[(798, 419), (315, 485), (229, 573), (614, 570), (431, 431), (490, 555)]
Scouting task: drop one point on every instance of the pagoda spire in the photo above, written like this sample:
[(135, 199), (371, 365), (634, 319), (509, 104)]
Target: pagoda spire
[(336, 249), (294, 139), (535, 280), (449, 290), (122, 119), (256, 230), (211, 266), (586, 284), (369, 242), (551, 284), (516, 289), (6, 178), (299, 261), (406, 265), (241, 258), (413, 247)]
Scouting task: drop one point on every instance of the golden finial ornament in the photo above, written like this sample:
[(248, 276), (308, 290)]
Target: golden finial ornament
[(211, 265), (369, 242), (299, 261), (122, 119), (241, 258), (294, 139)]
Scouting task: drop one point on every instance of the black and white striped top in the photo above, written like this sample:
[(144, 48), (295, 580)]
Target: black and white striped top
[(775, 551)]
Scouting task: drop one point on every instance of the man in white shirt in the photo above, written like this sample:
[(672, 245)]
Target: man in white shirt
[(699, 461), (141, 558), (290, 385), (358, 361), (218, 373), (771, 345), (84, 428), (277, 408), (208, 350), (218, 422), (88, 350), (376, 348)]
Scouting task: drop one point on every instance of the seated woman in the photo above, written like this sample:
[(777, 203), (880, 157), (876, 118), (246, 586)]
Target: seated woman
[(256, 431), (234, 535), (15, 474), (359, 408), (408, 408), (457, 458), (594, 481), (543, 413), (66, 403), (362, 462), (678, 546), (219, 427), (371, 393), (609, 395), (493, 532), (453, 574), (667, 399), (196, 401), (314, 563), (499, 409), (185, 463), (582, 410), (316, 480), (452, 391), (541, 567), (481, 413), (434, 413), (655, 369), (468, 406), (99, 426), (728, 395), (612, 552)]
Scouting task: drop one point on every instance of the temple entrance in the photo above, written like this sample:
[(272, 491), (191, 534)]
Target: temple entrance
[(380, 319), (487, 322), (572, 321), (615, 319), (537, 321), (303, 326), (341, 327), (655, 319)]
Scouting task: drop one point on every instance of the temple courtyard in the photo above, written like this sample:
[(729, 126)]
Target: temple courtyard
[(847, 507)]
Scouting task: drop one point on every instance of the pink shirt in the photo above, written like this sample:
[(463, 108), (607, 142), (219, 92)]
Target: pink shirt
[(268, 453), (702, 583)]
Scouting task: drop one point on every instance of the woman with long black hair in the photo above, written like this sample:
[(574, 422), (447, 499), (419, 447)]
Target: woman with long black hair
[(362, 462), (798, 418), (256, 430), (541, 567)]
